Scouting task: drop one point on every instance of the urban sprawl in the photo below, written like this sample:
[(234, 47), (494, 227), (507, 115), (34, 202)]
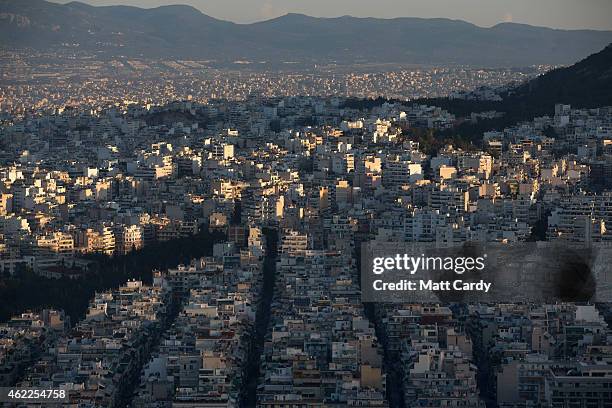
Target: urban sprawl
[(273, 316)]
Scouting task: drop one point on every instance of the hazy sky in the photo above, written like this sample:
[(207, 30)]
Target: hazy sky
[(595, 14)]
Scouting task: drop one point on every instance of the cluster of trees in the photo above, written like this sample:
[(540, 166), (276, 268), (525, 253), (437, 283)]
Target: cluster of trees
[(28, 291)]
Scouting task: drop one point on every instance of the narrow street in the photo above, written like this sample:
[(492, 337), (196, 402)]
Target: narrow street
[(262, 319)]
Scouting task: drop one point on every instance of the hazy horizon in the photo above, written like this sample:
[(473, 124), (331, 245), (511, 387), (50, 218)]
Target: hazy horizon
[(560, 14)]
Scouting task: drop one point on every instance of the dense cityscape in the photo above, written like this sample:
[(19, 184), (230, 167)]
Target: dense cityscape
[(36, 82), (176, 233), (113, 180)]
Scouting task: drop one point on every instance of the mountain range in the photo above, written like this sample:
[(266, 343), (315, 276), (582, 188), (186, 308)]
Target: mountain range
[(184, 32)]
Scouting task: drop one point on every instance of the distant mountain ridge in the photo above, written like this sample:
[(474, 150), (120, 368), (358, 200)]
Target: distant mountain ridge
[(184, 32)]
